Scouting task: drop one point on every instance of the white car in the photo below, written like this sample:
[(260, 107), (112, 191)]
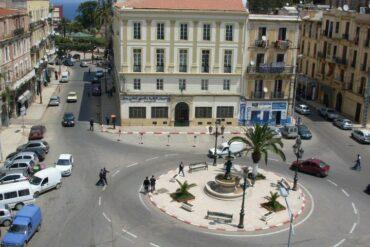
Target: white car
[(361, 135), (276, 131), (65, 164), (72, 97), (99, 73), (303, 109), (223, 149), (45, 180)]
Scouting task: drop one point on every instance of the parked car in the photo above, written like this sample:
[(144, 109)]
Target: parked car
[(276, 131), (19, 166), (68, 120), (35, 144), (64, 77), (83, 64), (12, 177), (223, 149), (20, 192), (54, 101), (361, 135), (343, 123), (289, 131), (303, 109), (96, 90), (6, 216), (367, 190), (41, 154), (76, 56), (65, 164), (72, 97), (312, 166), (37, 132), (45, 180), (328, 113), (25, 224), (99, 73), (304, 132), (21, 156), (95, 80), (68, 62)]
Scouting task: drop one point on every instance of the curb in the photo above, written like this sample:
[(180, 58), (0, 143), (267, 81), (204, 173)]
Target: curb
[(110, 131)]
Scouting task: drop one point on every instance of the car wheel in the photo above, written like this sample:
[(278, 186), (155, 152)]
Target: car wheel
[(319, 174), (36, 194), (7, 223), (19, 206), (58, 186), (39, 227)]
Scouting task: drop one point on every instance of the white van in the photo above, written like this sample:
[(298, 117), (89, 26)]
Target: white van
[(223, 149), (64, 77), (16, 195), (45, 180)]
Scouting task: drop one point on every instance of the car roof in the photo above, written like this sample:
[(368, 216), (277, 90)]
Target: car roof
[(54, 97), (36, 141), (303, 105), (72, 92), (45, 172), (24, 153), (65, 73), (15, 186), (65, 156), (22, 161), (314, 160), (365, 131)]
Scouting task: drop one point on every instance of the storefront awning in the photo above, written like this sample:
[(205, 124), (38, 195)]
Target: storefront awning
[(24, 79), (24, 97)]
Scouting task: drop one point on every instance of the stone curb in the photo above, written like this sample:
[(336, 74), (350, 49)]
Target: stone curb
[(110, 131)]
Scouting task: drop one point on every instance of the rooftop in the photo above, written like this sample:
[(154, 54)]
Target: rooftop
[(9, 12), (211, 5)]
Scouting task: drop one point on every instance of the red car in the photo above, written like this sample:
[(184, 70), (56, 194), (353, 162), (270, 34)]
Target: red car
[(312, 166), (37, 132)]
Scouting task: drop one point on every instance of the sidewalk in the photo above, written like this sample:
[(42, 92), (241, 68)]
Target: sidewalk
[(12, 137)]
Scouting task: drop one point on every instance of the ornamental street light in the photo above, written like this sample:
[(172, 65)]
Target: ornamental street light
[(298, 151), (241, 214), (218, 121), (284, 192)]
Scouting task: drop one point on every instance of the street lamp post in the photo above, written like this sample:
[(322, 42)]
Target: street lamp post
[(218, 121), (298, 151), (284, 192), (241, 214)]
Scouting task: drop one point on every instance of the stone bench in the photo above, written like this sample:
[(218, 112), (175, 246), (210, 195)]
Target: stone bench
[(267, 216), (219, 216), (198, 166), (187, 206)]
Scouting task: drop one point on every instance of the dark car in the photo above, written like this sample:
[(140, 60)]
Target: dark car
[(312, 166), (367, 190), (95, 80), (304, 132), (76, 56), (37, 132), (96, 90), (68, 62), (68, 119)]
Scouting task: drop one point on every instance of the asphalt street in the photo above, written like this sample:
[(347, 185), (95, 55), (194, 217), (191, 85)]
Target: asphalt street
[(82, 214)]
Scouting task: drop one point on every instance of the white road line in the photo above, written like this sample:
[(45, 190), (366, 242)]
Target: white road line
[(133, 164), (106, 217), (353, 228), (340, 242), (129, 233), (141, 199), (170, 155), (154, 245), (273, 159), (345, 192), (152, 158), (354, 208), (115, 173), (330, 181), (99, 200), (104, 187)]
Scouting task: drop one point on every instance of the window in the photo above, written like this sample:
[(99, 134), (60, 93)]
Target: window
[(278, 85), (137, 30), (229, 32), (160, 60), (1, 196), (354, 59), (205, 61), (184, 31), (182, 84), (183, 65), (159, 84), (280, 58), (137, 84), (204, 85), (226, 84), (282, 33), (203, 112), (160, 112), (225, 111), (227, 61), (160, 31), (337, 27), (261, 32), (206, 31), (137, 112), (137, 60), (364, 64), (9, 195), (45, 181)]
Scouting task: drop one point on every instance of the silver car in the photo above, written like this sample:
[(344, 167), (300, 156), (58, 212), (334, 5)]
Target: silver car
[(12, 177), (361, 135), (343, 123), (20, 165), (22, 156), (303, 109), (54, 101), (6, 216), (328, 113)]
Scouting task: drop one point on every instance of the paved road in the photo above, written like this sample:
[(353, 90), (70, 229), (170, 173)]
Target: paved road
[(81, 214)]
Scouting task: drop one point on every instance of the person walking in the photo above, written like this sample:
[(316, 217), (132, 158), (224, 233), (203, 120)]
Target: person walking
[(146, 184), (357, 165), (107, 119), (91, 124), (114, 121), (152, 184), (105, 171), (181, 169), (100, 181)]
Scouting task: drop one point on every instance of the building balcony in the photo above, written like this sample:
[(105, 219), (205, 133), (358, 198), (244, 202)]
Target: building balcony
[(261, 43), (227, 69), (345, 36), (356, 40), (137, 68), (282, 44), (347, 86), (18, 31), (325, 32), (257, 95), (160, 68), (205, 69), (367, 43), (340, 60), (321, 55), (270, 69), (183, 68), (36, 24), (277, 95)]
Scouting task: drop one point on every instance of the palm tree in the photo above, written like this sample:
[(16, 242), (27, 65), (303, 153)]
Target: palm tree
[(272, 200), (260, 141), (63, 25), (184, 187), (104, 17)]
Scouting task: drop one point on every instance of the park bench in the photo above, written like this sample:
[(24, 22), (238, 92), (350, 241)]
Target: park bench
[(219, 217), (267, 216), (187, 206), (198, 166)]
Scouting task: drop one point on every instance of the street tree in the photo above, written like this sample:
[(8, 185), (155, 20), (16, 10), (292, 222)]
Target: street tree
[(87, 14)]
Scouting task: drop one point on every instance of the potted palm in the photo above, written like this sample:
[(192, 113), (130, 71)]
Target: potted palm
[(182, 194)]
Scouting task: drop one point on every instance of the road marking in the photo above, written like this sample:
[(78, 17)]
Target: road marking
[(106, 217), (273, 159), (170, 155), (353, 228), (133, 164), (152, 158), (330, 181), (129, 233), (99, 200), (154, 245), (141, 199), (104, 187), (354, 208), (345, 192), (115, 173), (340, 242)]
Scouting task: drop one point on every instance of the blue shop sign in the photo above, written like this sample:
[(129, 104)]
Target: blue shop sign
[(279, 105)]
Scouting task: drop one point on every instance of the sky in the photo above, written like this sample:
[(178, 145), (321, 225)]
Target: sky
[(69, 7)]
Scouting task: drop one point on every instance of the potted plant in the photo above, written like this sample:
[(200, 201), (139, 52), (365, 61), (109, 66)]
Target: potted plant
[(272, 203), (182, 194)]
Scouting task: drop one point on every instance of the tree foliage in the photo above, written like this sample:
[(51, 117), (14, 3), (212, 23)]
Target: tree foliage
[(87, 14), (263, 6)]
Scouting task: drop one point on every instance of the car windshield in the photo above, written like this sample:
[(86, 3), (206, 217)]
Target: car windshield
[(35, 180), (17, 228), (54, 98), (322, 164), (68, 117), (62, 162)]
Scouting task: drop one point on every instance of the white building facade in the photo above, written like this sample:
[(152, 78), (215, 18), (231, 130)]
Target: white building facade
[(179, 66)]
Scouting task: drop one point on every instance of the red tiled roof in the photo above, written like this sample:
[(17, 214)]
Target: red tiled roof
[(212, 5), (8, 12)]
